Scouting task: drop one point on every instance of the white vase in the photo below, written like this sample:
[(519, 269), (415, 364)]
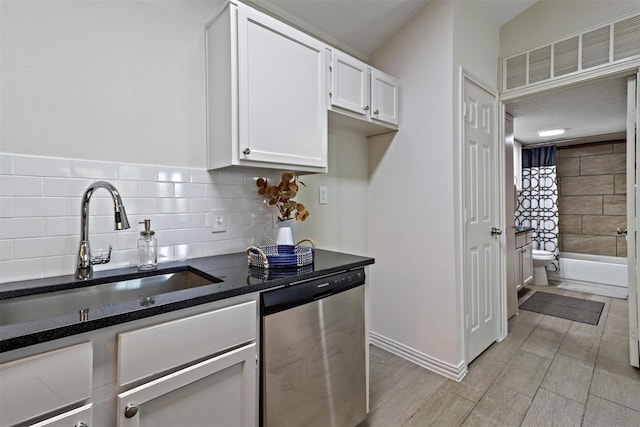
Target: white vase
[(285, 234)]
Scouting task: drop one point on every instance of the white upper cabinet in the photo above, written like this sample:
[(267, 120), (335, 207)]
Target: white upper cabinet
[(266, 84), (384, 97), (359, 91), (349, 83)]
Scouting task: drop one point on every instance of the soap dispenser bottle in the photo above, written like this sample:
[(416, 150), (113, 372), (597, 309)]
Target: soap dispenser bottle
[(147, 248)]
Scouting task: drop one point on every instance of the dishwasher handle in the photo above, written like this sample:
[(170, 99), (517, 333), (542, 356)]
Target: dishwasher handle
[(303, 293)]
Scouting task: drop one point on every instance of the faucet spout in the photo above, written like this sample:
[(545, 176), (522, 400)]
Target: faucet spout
[(84, 268)]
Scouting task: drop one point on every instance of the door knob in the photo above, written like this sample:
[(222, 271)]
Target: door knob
[(495, 231), (621, 231)]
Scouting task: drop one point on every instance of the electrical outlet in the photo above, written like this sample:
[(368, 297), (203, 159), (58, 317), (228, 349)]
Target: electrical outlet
[(218, 220), (323, 195)]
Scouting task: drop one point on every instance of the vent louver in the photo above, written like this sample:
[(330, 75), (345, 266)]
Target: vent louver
[(613, 42), (540, 64), (595, 47), (626, 38)]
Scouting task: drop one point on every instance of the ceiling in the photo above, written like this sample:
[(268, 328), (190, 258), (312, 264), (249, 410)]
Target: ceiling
[(359, 27), (588, 112)]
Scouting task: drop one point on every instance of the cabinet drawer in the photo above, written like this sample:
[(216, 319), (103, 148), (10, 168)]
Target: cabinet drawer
[(40, 384), (75, 417), (155, 349)]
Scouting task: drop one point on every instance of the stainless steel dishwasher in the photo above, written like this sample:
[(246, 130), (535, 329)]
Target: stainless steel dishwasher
[(313, 370)]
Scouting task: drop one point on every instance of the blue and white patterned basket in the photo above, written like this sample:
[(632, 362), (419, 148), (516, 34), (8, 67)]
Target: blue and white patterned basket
[(281, 256)]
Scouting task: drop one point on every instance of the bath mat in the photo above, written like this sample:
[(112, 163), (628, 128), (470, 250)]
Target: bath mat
[(576, 309)]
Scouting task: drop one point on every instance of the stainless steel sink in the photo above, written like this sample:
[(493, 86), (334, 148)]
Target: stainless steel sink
[(80, 301)]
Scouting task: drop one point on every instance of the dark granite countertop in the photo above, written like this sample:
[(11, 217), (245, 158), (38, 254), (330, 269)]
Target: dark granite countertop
[(230, 274)]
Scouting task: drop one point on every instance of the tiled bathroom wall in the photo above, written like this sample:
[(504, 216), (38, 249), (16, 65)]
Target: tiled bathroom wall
[(40, 213), (592, 198)]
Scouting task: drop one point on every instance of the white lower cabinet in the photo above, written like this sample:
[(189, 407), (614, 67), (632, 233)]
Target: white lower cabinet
[(220, 391), (524, 259), (80, 417), (45, 385)]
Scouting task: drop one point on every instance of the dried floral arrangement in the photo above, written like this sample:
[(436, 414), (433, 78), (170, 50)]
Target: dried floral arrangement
[(281, 196)]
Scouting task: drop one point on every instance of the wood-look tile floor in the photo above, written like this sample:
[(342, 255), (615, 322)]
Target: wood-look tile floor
[(547, 372)]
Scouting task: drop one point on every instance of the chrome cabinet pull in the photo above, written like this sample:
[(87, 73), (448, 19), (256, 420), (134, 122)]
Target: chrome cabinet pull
[(246, 151), (376, 112)]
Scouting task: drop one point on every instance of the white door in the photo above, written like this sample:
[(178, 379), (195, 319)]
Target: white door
[(220, 391), (482, 241), (282, 82), (633, 213)]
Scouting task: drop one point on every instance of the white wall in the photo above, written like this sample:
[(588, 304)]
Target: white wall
[(342, 224), (108, 80), (416, 289), (549, 20)]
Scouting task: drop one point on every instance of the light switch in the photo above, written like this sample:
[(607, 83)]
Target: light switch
[(218, 220), (323, 195)]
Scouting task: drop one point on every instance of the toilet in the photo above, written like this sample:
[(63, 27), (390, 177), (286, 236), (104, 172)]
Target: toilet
[(540, 260)]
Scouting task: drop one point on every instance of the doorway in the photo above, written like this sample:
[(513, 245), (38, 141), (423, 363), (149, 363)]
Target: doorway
[(595, 118)]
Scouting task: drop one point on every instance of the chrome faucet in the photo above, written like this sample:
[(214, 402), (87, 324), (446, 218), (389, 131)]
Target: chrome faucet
[(84, 269)]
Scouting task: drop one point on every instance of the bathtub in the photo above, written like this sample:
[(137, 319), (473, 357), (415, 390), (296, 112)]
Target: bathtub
[(607, 270)]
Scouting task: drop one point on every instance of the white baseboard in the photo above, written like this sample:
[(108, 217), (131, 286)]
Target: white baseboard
[(455, 372)]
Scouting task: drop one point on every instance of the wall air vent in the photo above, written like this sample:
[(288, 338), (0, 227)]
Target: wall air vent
[(595, 47), (517, 71), (626, 38), (540, 64), (599, 47)]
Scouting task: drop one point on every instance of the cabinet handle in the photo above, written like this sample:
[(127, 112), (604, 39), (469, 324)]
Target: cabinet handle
[(130, 410), (366, 108), (81, 424), (376, 112), (246, 151)]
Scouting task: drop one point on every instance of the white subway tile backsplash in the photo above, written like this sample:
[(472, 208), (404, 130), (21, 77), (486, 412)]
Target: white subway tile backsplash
[(20, 186), (164, 173), (40, 213), (41, 206), (63, 226), (189, 190), (137, 172), (21, 269), (59, 265), (203, 205), (6, 250), (42, 247), (94, 170), (17, 228), (6, 164), (155, 189), (41, 166), (174, 205), (6, 207), (65, 187), (204, 176)]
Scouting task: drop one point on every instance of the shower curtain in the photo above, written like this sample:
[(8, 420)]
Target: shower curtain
[(537, 203)]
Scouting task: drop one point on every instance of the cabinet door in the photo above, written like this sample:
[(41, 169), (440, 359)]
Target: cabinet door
[(282, 92), (519, 283), (220, 391), (527, 264), (349, 83), (384, 97), (80, 417)]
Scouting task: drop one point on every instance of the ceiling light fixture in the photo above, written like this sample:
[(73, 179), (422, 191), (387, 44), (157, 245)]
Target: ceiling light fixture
[(552, 132)]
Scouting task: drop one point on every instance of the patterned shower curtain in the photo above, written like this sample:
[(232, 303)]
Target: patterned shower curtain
[(537, 203)]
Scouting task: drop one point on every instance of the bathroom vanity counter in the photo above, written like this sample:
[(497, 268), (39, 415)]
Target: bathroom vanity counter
[(230, 277), (522, 229)]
